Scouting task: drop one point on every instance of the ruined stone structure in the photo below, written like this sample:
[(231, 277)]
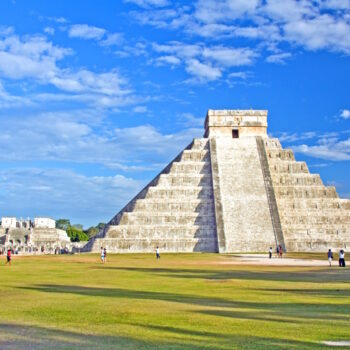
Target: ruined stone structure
[(235, 190), (26, 236)]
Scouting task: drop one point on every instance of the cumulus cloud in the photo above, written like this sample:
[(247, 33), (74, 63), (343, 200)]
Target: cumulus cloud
[(86, 137), (203, 71), (313, 25), (36, 58), (205, 63), (149, 3), (278, 58), (112, 39), (65, 193), (345, 114), (84, 31)]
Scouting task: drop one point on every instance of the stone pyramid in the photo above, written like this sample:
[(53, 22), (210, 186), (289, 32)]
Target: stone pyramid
[(234, 190)]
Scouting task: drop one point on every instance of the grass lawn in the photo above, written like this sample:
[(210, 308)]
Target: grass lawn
[(184, 301)]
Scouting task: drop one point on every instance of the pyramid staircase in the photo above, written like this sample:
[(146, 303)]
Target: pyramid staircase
[(175, 211)]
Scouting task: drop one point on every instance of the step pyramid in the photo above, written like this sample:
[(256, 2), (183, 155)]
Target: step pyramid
[(234, 190)]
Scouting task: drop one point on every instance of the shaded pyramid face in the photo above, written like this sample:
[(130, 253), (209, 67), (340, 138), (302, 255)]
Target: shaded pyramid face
[(235, 190)]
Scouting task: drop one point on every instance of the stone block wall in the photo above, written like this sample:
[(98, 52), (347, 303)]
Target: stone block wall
[(174, 212), (313, 217)]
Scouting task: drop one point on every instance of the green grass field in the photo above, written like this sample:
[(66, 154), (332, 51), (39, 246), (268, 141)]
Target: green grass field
[(193, 301)]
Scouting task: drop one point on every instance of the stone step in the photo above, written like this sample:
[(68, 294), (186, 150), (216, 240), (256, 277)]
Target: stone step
[(314, 203), (297, 179), (194, 155), (148, 218), (282, 154), (200, 144), (185, 180), (165, 231), (294, 167), (175, 206), (273, 143), (180, 192), (319, 220), (127, 245), (305, 192), (190, 168)]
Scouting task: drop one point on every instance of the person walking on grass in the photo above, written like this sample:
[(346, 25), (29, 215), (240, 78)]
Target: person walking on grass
[(270, 253), (105, 254), (341, 258), (157, 253), (330, 257), (8, 257), (102, 256), (280, 251)]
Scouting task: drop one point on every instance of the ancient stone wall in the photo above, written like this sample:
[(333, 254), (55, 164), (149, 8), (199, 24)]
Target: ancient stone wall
[(174, 212), (313, 217)]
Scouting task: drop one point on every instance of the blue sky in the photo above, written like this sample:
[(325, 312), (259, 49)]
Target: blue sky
[(97, 97)]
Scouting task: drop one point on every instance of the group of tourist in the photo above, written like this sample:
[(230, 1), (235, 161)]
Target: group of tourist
[(341, 257), (279, 251)]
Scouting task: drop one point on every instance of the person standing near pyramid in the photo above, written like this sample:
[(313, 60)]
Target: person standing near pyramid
[(330, 257), (157, 253)]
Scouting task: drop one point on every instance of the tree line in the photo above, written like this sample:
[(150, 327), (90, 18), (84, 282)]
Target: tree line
[(76, 232)]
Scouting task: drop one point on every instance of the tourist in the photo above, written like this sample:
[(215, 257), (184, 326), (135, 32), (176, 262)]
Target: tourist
[(105, 254), (280, 250), (270, 253), (157, 253), (330, 257), (102, 256), (341, 258), (8, 257)]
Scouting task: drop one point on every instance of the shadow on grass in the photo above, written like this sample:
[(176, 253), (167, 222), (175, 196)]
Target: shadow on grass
[(34, 337), (305, 310), (314, 275)]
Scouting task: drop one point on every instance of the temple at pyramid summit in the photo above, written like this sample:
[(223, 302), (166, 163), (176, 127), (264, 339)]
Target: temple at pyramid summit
[(234, 190)]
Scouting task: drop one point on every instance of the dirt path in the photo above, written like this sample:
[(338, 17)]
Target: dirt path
[(262, 259)]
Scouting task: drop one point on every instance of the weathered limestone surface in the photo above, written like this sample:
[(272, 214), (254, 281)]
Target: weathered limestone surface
[(313, 217), (234, 190), (175, 211), (246, 216)]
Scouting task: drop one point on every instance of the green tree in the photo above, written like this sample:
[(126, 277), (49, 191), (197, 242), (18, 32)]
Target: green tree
[(63, 224), (76, 235), (92, 231)]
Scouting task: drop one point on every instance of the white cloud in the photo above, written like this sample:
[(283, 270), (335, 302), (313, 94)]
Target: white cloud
[(31, 57), (49, 30), (148, 3), (86, 136), (287, 137), (169, 59), (272, 22), (11, 101), (322, 32), (205, 63), (85, 31), (332, 151), (67, 194), (140, 109), (34, 57), (211, 11), (189, 120), (240, 75), (112, 39), (345, 114), (204, 72), (278, 58), (229, 57)]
